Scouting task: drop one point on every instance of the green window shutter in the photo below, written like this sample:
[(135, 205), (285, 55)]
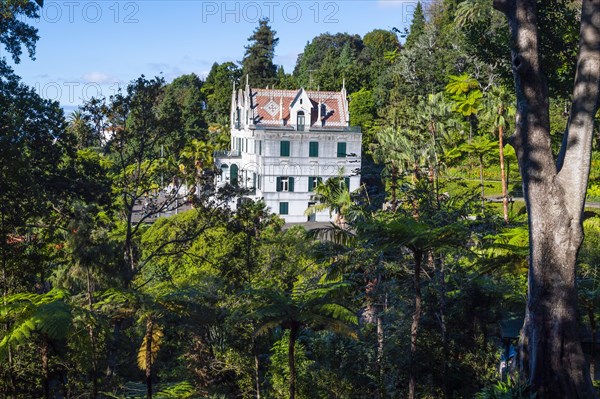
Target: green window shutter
[(284, 147), (234, 174), (311, 185), (260, 147), (319, 180), (313, 149), (283, 208), (347, 183), (341, 150), (291, 184), (279, 187)]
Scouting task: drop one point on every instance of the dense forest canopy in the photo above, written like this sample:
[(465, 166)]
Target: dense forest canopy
[(418, 289)]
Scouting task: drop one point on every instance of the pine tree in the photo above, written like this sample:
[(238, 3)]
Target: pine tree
[(417, 26), (258, 61)]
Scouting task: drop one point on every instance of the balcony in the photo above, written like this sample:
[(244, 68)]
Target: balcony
[(228, 154)]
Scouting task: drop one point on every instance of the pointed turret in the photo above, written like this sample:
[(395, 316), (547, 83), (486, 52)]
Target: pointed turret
[(345, 103)]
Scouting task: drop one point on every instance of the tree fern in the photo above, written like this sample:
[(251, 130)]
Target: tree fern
[(28, 313), (157, 335)]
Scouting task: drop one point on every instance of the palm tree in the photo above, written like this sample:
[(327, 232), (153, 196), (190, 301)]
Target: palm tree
[(435, 125), (467, 97), (305, 306), (480, 147), (333, 195), (199, 154), (500, 112), (400, 154), (79, 126)]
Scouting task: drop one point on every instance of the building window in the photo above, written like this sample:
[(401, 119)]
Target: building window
[(234, 174), (237, 119), (313, 149), (224, 172), (341, 150), (284, 208), (347, 183), (285, 184), (258, 147), (284, 148), (313, 181), (300, 121)]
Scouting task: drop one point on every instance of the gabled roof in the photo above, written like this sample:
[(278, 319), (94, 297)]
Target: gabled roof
[(270, 106)]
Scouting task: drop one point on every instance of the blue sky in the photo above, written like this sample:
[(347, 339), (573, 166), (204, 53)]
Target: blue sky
[(88, 48)]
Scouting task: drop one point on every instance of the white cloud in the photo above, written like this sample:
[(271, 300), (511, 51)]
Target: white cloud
[(99, 77), (396, 3)]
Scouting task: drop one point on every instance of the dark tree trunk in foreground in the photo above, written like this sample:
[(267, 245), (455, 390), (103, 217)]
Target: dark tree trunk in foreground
[(503, 174), (45, 368), (552, 358), (148, 349), (414, 328), (256, 368), (292, 359)]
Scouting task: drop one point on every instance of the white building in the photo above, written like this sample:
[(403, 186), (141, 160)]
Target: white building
[(283, 142)]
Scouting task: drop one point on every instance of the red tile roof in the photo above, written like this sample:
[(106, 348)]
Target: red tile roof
[(266, 104)]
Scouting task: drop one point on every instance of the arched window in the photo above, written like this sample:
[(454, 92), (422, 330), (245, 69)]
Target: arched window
[(224, 172), (300, 121)]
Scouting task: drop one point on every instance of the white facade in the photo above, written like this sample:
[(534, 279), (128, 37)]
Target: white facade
[(283, 142)]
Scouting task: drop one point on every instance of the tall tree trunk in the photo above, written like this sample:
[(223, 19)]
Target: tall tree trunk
[(554, 193), (503, 173), (394, 188), (379, 309), (592, 319), (148, 349), (380, 353), (256, 369), (481, 184), (111, 369), (11, 376), (373, 314), (92, 335), (292, 358), (441, 272), (45, 368), (414, 328)]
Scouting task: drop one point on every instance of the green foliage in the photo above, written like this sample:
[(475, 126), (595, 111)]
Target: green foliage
[(224, 289), (363, 113), (181, 112), (16, 33), (506, 390), (258, 60), (465, 94), (47, 314), (329, 60), (332, 195), (155, 343), (306, 305), (279, 372), (217, 89), (417, 26), (181, 390)]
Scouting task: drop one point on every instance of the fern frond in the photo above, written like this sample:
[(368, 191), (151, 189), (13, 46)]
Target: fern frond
[(157, 335), (180, 390)]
